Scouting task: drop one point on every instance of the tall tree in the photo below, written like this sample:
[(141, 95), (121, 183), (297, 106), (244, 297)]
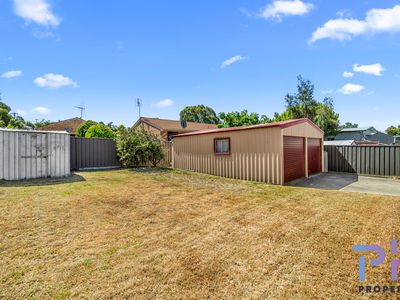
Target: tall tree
[(303, 105), (199, 114), (243, 118), (325, 117)]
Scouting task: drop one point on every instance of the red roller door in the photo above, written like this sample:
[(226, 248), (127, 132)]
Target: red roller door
[(293, 158), (314, 156)]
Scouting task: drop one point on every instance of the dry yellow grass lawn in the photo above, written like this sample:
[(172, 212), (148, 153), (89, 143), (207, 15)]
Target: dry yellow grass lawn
[(170, 234)]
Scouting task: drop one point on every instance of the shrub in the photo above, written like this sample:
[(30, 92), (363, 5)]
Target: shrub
[(100, 131), (139, 147), (83, 128)]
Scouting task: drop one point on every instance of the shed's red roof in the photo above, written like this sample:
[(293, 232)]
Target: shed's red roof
[(282, 124)]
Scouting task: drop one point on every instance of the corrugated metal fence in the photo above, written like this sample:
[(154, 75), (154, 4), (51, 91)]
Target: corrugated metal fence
[(167, 161), (91, 153), (87, 153), (364, 160), (33, 154)]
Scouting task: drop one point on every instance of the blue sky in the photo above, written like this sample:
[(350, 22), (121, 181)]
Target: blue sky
[(56, 54)]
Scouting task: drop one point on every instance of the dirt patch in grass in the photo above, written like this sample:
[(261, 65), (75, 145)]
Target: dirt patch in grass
[(173, 234)]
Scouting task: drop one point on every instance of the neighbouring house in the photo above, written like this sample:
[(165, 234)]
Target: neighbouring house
[(340, 143), (275, 153), (69, 125), (351, 143), (167, 129), (365, 134)]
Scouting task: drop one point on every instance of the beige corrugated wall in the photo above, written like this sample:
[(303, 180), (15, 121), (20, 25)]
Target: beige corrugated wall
[(256, 155), (304, 130)]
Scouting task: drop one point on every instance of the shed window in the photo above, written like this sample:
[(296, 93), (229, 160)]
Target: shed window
[(222, 146)]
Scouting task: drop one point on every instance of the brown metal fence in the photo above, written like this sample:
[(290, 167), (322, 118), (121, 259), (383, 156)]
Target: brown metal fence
[(167, 161), (364, 160), (89, 153)]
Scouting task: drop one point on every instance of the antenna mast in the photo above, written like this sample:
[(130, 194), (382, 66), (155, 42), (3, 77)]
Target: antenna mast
[(139, 105), (81, 108)]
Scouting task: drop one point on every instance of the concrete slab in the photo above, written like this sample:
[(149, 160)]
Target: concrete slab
[(351, 183)]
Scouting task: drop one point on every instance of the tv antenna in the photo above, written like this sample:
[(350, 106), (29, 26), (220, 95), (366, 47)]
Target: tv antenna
[(81, 108), (139, 105)]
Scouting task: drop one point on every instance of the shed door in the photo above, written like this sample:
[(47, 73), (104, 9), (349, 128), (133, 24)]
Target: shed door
[(293, 158), (314, 156)]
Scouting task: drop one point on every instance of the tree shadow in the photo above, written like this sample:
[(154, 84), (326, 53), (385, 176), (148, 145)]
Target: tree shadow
[(42, 181), (149, 170)]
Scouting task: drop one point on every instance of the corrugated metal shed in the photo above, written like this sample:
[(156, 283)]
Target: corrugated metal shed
[(26, 154), (250, 152)]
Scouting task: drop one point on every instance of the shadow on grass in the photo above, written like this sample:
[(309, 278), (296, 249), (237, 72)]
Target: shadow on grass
[(150, 170), (42, 181)]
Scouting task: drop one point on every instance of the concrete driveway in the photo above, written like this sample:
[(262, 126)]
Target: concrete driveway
[(351, 183)]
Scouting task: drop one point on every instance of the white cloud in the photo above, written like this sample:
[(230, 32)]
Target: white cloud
[(281, 8), (41, 110), (37, 11), (348, 74), (11, 74), (164, 103), (55, 81), (232, 60), (375, 69), (376, 21), (350, 88)]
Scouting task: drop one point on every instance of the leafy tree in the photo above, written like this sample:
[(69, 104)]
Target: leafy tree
[(348, 125), (392, 130), (138, 147), (83, 128), (121, 129), (41, 123), (303, 105), (100, 131), (326, 118), (285, 116), (5, 116), (17, 123), (243, 118), (199, 114)]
